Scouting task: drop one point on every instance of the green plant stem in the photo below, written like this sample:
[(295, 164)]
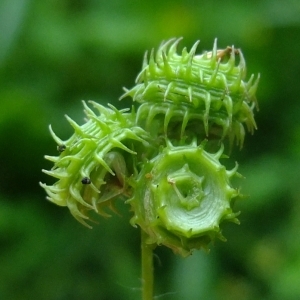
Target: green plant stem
[(147, 267)]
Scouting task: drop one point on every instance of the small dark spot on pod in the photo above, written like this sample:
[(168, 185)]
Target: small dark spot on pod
[(86, 180), (61, 148)]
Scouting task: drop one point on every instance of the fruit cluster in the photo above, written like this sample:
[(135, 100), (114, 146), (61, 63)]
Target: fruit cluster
[(163, 157)]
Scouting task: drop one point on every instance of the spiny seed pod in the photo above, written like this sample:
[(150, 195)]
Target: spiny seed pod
[(91, 168), (205, 91), (181, 197), (178, 190)]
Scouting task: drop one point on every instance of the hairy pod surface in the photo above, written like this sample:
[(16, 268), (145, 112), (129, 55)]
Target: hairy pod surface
[(181, 197), (94, 163), (208, 88)]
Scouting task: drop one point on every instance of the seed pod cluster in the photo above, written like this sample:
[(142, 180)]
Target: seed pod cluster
[(164, 156)]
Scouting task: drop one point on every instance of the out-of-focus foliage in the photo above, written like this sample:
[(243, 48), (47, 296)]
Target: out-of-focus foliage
[(55, 53)]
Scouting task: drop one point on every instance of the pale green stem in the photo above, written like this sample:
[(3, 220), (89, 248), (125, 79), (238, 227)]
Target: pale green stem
[(147, 267)]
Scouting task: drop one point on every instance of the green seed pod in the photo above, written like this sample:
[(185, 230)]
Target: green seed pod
[(179, 193), (205, 91), (94, 163), (181, 197)]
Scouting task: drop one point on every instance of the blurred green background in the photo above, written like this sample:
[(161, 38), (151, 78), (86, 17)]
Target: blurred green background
[(55, 53)]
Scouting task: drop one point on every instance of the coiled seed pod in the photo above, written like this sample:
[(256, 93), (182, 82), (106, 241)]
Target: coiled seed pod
[(181, 197), (209, 88), (165, 157), (91, 168)]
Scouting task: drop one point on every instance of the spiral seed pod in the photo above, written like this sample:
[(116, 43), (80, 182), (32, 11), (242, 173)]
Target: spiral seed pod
[(93, 164), (181, 197), (178, 190), (208, 88)]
